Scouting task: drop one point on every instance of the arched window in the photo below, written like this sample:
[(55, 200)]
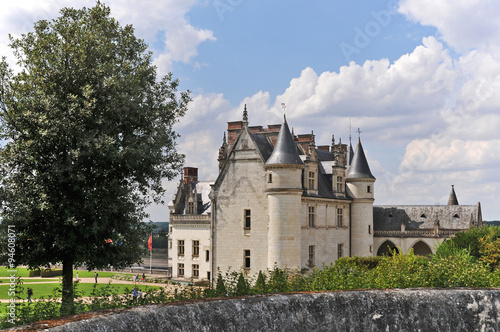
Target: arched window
[(387, 248), (422, 249)]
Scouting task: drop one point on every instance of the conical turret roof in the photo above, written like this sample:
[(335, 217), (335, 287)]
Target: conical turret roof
[(285, 152), (351, 153), (453, 197), (359, 168)]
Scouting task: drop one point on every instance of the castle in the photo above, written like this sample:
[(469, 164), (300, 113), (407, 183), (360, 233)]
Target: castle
[(281, 200)]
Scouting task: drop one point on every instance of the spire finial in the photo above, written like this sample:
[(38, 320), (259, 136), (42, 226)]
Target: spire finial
[(224, 139), (283, 106), (245, 113), (359, 134)]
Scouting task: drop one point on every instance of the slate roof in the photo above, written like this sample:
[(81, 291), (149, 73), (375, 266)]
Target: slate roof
[(202, 191), (419, 217), (359, 168), (285, 150), (263, 145)]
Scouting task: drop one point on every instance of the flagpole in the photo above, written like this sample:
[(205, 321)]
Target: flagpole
[(151, 257)]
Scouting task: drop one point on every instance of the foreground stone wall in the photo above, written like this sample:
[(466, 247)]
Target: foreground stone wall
[(393, 310)]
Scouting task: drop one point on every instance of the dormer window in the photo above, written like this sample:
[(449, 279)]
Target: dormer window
[(311, 180), (190, 209)]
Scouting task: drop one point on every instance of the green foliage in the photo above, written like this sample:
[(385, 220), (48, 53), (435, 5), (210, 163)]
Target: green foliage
[(87, 137), (469, 240), (260, 285), (459, 269), (400, 271), (220, 287), (278, 281), (242, 286)]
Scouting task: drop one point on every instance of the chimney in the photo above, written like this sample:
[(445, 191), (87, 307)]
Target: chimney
[(190, 174)]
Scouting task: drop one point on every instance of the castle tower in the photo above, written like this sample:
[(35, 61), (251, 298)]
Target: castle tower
[(360, 187), (284, 190)]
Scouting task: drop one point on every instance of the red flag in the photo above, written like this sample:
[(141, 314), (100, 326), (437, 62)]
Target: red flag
[(109, 241), (150, 241)]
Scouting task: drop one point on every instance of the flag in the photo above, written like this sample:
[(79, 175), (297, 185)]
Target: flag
[(150, 241), (109, 241)]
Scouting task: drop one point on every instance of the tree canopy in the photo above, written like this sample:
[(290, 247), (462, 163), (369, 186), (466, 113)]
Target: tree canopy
[(87, 137)]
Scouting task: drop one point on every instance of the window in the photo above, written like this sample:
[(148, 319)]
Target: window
[(207, 255), (311, 216), (310, 261), (248, 219), (180, 269), (196, 248), (246, 259), (196, 271), (371, 249), (311, 180), (180, 247), (369, 189), (190, 207), (339, 218), (340, 248), (270, 178), (369, 229), (170, 244), (339, 184)]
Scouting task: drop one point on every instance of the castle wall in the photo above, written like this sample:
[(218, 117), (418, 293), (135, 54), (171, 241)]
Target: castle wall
[(242, 188), (326, 236), (189, 232)]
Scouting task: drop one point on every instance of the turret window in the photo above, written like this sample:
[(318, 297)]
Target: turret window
[(248, 219), (369, 189), (310, 261), (311, 217), (246, 259), (270, 178)]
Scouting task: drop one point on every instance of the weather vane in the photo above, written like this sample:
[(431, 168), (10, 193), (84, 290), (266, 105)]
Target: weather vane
[(283, 106), (359, 133)]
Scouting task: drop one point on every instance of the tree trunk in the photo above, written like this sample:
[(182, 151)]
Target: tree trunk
[(67, 305)]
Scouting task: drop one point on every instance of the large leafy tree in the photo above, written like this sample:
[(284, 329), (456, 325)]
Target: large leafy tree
[(87, 138)]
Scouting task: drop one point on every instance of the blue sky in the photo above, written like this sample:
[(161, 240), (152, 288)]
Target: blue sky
[(421, 78)]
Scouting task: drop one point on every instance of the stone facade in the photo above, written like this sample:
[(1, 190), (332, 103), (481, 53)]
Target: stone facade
[(281, 200)]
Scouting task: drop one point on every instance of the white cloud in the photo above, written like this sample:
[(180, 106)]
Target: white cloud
[(149, 18), (463, 24)]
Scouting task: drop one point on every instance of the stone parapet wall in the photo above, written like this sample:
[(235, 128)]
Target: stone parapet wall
[(376, 310)]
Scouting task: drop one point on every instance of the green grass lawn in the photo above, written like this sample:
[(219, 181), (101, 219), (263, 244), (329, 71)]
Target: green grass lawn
[(84, 289), (24, 273), (25, 280)]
